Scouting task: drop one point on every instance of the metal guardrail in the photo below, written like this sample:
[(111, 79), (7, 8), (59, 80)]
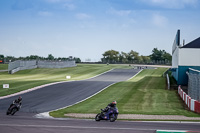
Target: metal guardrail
[(168, 82)]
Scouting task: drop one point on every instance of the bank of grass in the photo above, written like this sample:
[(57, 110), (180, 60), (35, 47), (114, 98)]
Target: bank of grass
[(27, 79), (143, 94), (3, 66)]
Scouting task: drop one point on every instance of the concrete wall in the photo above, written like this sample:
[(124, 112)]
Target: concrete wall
[(189, 57), (56, 64), (23, 65), (175, 58)]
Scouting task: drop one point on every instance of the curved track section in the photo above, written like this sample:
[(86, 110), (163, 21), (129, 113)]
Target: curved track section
[(64, 94)]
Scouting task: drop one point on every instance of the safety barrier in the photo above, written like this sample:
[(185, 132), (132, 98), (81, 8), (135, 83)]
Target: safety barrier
[(192, 104), (194, 83), (23, 65)]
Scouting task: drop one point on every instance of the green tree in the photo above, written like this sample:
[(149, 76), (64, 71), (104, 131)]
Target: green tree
[(156, 54), (167, 56), (146, 59), (160, 56), (111, 56), (133, 56), (10, 58), (77, 60), (124, 57), (1, 57), (50, 57)]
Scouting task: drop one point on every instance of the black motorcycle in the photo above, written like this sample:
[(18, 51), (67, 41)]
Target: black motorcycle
[(111, 115), (13, 109)]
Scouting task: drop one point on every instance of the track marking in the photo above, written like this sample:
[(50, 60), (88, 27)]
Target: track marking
[(76, 127)]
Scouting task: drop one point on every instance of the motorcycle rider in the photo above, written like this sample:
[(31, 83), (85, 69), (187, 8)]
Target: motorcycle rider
[(111, 105), (17, 101)]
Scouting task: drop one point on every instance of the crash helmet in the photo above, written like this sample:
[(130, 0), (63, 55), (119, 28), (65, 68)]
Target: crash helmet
[(114, 102), (20, 98)]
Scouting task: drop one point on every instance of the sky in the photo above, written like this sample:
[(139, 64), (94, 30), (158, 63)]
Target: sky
[(87, 28)]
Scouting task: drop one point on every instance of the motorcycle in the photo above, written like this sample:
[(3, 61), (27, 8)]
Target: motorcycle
[(13, 109), (111, 115)]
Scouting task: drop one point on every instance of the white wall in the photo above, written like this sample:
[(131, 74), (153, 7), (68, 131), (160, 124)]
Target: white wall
[(189, 57), (175, 57)]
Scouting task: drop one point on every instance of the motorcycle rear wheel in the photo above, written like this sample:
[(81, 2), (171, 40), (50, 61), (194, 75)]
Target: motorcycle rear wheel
[(98, 117)]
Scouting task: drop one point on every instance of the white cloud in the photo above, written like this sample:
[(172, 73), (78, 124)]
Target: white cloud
[(69, 6), (128, 23), (172, 4), (119, 12), (159, 20), (82, 16), (45, 13)]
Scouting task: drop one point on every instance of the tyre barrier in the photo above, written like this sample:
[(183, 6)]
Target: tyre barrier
[(192, 104)]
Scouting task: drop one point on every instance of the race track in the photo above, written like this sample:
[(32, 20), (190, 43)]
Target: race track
[(64, 94), (25, 123)]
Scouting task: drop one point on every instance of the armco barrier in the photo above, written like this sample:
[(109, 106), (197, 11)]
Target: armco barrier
[(197, 106), (192, 104)]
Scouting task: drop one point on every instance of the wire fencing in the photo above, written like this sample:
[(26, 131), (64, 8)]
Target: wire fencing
[(194, 84)]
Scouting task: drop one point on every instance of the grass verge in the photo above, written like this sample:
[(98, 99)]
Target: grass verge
[(3, 66), (143, 94)]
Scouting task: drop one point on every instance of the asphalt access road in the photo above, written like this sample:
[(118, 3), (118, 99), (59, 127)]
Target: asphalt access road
[(64, 94), (25, 123)]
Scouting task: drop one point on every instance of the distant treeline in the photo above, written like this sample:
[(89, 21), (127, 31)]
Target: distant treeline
[(157, 57), (36, 57)]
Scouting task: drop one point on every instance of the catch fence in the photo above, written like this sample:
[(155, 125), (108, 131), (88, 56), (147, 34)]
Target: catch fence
[(194, 84)]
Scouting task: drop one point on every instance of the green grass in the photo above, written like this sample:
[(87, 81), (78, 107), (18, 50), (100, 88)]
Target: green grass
[(143, 94), (27, 79), (3, 66)]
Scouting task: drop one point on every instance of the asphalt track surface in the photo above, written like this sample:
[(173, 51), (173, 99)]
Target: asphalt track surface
[(64, 94), (25, 123)]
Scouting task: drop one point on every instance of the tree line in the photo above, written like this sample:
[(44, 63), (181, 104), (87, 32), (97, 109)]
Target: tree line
[(36, 57), (157, 57)]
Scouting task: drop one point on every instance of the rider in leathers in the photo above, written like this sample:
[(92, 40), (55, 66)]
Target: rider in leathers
[(111, 105), (19, 101)]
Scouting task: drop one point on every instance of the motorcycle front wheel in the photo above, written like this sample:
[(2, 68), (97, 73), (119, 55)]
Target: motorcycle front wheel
[(113, 118), (8, 112), (13, 111)]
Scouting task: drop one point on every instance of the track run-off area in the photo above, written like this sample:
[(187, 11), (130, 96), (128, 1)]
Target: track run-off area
[(64, 94)]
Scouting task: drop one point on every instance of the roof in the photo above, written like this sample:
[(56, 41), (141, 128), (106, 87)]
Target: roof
[(194, 44)]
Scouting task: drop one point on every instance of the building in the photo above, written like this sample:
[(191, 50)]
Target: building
[(184, 57)]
